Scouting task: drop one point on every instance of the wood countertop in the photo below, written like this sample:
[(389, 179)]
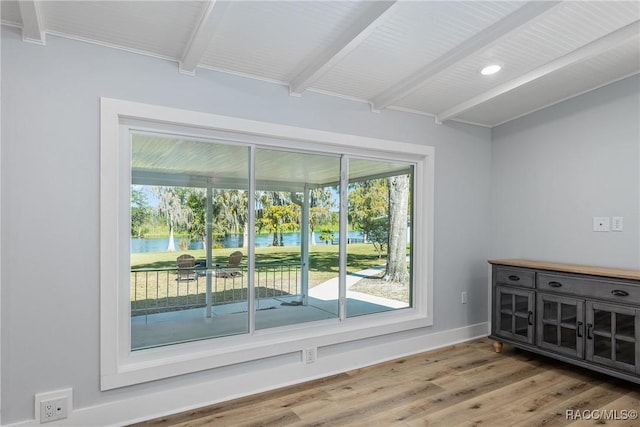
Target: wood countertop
[(618, 273)]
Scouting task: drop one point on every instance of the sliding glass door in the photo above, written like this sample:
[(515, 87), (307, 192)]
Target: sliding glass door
[(230, 238)]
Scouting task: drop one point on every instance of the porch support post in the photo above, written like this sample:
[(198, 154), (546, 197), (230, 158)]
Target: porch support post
[(304, 243), (209, 249), (342, 275)]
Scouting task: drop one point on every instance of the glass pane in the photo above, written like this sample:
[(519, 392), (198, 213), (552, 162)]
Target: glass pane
[(626, 352), (296, 258), (522, 304), (568, 337), (379, 276), (602, 346), (505, 322), (177, 292), (550, 311), (550, 334), (506, 300), (602, 321), (522, 326), (569, 313), (625, 325)]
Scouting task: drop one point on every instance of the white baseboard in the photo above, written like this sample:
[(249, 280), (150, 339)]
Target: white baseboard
[(145, 406)]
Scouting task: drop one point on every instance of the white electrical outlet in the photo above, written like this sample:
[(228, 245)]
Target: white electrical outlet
[(51, 410), (463, 297), (53, 406), (310, 355)]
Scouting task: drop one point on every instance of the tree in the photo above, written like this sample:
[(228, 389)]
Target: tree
[(277, 214), (379, 235), (197, 203), (172, 206), (320, 210), (397, 270), (368, 200), (326, 236), (280, 218), (236, 213), (320, 204), (379, 209), (228, 212), (140, 212)]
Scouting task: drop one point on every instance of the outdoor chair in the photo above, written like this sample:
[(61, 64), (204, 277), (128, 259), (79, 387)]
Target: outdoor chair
[(232, 268), (186, 268)]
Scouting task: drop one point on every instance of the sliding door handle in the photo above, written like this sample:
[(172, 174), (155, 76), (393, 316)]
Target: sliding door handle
[(579, 330)]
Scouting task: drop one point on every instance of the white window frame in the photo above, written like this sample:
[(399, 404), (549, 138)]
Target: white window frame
[(119, 366)]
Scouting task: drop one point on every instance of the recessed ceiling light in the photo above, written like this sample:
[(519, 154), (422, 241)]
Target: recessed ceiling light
[(490, 69)]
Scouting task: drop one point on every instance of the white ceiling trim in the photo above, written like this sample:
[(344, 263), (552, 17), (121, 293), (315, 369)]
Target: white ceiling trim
[(469, 47), (596, 47), (110, 45), (557, 101), (32, 22), (201, 36), (373, 17)]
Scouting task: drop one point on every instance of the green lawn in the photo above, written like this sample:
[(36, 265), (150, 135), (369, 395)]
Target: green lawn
[(148, 289), (323, 259)]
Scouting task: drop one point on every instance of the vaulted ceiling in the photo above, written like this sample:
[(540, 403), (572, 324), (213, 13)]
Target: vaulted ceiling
[(418, 56)]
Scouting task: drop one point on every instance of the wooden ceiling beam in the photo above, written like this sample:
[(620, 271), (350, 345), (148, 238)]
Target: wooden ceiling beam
[(463, 51), (32, 22), (212, 14), (589, 50), (373, 17)]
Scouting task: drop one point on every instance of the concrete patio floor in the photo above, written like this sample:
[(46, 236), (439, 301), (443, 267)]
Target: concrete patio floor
[(154, 330)]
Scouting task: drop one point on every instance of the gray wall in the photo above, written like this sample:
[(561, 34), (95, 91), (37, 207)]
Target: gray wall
[(50, 201), (554, 170)]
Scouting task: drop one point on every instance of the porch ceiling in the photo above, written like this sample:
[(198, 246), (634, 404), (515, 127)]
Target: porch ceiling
[(167, 160)]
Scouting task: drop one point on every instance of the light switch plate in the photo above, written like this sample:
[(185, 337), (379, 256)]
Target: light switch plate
[(601, 223), (616, 223)]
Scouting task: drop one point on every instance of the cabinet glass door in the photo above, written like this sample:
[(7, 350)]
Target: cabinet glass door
[(560, 324), (613, 336), (514, 314)]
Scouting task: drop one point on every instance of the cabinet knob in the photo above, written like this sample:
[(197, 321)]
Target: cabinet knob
[(589, 334), (530, 318), (555, 284), (619, 293), (514, 278)]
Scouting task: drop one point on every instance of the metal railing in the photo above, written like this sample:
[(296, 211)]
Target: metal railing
[(170, 289)]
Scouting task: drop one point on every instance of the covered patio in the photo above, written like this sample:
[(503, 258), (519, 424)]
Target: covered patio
[(189, 324), (166, 160)]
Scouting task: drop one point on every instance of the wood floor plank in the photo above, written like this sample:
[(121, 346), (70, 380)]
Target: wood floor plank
[(438, 363), (521, 410), (491, 402), (290, 392), (352, 410), (463, 385), (590, 399), (459, 388)]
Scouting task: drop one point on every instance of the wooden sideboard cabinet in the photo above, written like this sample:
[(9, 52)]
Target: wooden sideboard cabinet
[(588, 316)]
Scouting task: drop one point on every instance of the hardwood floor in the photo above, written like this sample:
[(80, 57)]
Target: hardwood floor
[(466, 384)]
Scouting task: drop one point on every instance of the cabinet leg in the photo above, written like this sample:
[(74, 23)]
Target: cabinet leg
[(497, 346)]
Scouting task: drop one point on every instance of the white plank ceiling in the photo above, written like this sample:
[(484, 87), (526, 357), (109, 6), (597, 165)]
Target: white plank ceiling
[(419, 56)]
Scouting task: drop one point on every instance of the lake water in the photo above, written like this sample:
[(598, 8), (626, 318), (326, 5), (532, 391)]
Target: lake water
[(231, 241)]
